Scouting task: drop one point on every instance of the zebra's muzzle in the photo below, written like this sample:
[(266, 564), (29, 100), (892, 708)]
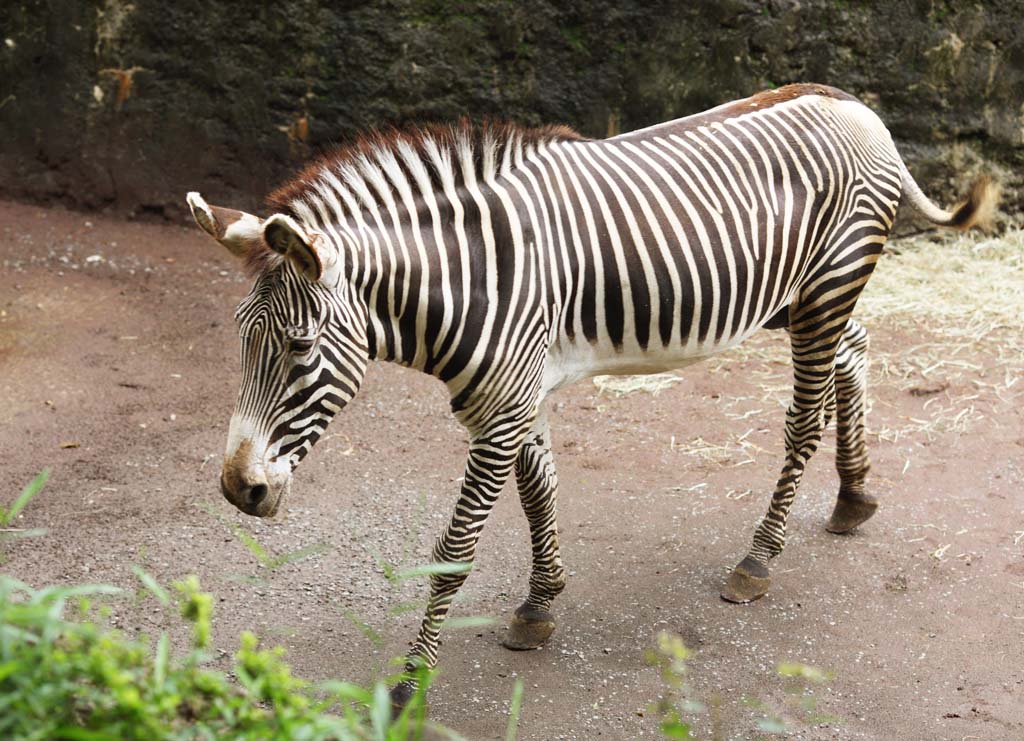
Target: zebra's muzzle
[(249, 488), (247, 497)]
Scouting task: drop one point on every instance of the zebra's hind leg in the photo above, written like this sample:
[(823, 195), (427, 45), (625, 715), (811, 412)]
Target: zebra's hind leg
[(853, 505), (537, 480), (814, 336)]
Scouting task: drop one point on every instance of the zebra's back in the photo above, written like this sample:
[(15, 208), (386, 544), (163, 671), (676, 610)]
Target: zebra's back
[(669, 244)]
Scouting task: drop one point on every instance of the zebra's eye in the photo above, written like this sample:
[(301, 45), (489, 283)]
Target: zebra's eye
[(301, 345)]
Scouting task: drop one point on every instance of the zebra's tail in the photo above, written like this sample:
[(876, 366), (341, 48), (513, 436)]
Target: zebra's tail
[(976, 210)]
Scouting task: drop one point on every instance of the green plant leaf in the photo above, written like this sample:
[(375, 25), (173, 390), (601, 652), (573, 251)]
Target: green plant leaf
[(365, 628), (34, 532), (74, 733), (675, 729), (514, 711), (405, 607), (254, 546), (468, 622), (386, 568), (430, 569), (347, 692), (380, 712), (298, 555), (7, 669), (772, 725), (34, 487), (54, 594), (152, 586), (161, 660), (802, 671)]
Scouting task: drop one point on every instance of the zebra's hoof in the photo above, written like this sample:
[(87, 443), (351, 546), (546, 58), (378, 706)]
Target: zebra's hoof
[(850, 512), (401, 693), (530, 628), (747, 582)]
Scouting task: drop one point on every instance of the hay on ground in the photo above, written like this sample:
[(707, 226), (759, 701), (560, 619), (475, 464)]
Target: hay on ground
[(963, 295)]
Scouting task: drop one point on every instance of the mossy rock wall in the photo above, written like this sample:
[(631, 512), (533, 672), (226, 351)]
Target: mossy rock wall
[(127, 105)]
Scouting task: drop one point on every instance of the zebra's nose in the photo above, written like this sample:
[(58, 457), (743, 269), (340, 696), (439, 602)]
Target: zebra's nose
[(246, 490), (255, 494)]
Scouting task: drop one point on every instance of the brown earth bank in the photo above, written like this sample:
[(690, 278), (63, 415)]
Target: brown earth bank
[(126, 105), (117, 337)]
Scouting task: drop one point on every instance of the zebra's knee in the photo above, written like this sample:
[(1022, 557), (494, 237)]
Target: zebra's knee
[(804, 429), (552, 582), (447, 572), (851, 356)]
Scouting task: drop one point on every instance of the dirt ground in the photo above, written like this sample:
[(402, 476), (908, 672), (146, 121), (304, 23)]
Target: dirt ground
[(117, 337)]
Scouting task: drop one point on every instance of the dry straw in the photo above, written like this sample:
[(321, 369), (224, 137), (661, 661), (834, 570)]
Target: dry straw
[(961, 297)]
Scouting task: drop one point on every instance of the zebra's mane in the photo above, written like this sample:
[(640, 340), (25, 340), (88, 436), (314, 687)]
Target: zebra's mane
[(393, 162), (388, 160)]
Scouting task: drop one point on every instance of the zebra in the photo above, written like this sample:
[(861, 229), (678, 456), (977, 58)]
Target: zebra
[(510, 261)]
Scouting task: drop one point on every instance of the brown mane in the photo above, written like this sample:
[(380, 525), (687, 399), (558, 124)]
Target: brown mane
[(488, 139), (259, 259), (447, 137)]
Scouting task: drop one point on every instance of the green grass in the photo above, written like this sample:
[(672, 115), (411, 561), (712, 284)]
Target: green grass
[(64, 675), (8, 514), (679, 706)]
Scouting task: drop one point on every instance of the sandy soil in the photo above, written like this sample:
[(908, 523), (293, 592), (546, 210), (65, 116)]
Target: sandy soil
[(117, 337)]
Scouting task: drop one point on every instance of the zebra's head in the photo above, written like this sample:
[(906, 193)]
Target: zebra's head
[(303, 350)]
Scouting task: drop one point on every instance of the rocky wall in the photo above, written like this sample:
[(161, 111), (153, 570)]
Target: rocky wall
[(127, 105)]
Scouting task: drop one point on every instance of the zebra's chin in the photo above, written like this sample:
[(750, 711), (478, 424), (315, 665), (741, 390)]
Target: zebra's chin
[(280, 483)]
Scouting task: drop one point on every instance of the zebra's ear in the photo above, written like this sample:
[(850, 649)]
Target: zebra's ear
[(286, 237), (236, 230)]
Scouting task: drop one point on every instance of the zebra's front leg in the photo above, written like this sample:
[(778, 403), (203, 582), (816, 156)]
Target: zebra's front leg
[(853, 505), (490, 462), (537, 480)]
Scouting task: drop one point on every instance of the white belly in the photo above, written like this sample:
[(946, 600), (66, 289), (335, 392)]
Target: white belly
[(570, 362)]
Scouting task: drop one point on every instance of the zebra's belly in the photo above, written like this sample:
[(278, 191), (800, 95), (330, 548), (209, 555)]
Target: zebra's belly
[(568, 362)]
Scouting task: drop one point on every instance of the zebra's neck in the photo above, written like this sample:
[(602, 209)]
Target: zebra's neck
[(389, 273), (414, 218)]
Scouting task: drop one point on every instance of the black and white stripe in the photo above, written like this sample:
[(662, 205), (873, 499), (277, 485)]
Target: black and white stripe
[(509, 262)]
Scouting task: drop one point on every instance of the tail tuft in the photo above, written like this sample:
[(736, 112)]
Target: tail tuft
[(977, 210), (980, 206)]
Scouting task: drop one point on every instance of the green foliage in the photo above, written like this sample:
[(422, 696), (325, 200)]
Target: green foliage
[(72, 677), (9, 514), (670, 661), (433, 569), (150, 584), (274, 562), (677, 700), (514, 710), (67, 677), (267, 560), (800, 705), (196, 608), (395, 575), (802, 671)]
